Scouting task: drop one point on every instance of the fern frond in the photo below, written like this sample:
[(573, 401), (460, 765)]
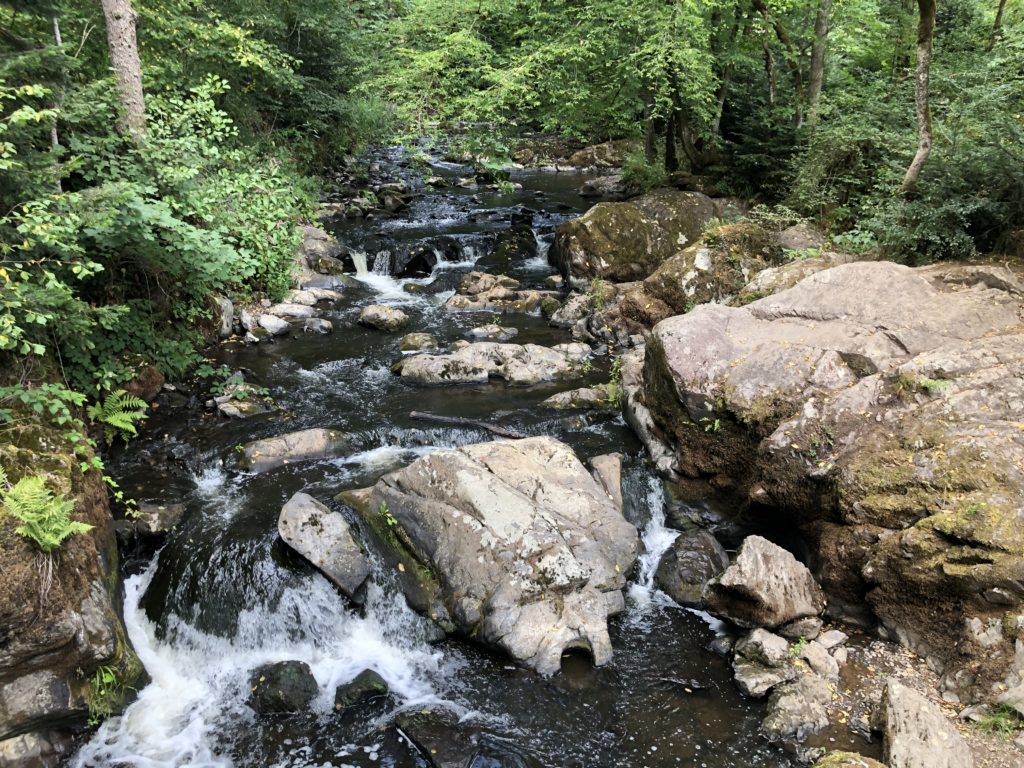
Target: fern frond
[(44, 517), (118, 413)]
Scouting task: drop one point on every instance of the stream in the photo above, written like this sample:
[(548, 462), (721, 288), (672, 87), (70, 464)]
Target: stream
[(224, 595)]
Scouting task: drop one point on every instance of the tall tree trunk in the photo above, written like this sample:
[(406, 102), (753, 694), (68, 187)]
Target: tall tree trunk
[(769, 70), (925, 32), (54, 137), (124, 59), (650, 131), (997, 26), (671, 157), (817, 74), (792, 57)]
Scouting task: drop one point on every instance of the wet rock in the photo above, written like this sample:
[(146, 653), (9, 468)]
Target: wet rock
[(797, 710), (763, 647), (608, 188), (284, 687), (715, 269), (694, 558), (628, 241), (917, 733), (493, 332), (365, 687), (273, 325), (155, 519), (639, 417), (482, 291), (607, 470), (514, 246), (761, 662), (418, 342), (146, 384), (475, 283), (441, 740), (36, 750), (478, 362), (818, 659), (609, 154), (832, 638), (225, 316), (765, 587), (847, 760), (323, 537), (581, 399), (305, 445), (317, 325), (801, 237), (383, 318), (293, 311), (296, 296), (806, 628), (529, 554), (572, 310)]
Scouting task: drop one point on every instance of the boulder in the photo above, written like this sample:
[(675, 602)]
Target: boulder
[(713, 270), (493, 332), (365, 687), (513, 246), (761, 662), (317, 325), (305, 445), (917, 734), (776, 279), (607, 470), (273, 324), (383, 318), (323, 537), (838, 759), (609, 154), (527, 552), (158, 520), (801, 237), (303, 297), (806, 628), (477, 363), (585, 398), (765, 587), (886, 429), (628, 241), (797, 709), (694, 558), (612, 187), (225, 316), (819, 660), (418, 342), (499, 298), (146, 384), (284, 687), (572, 310), (293, 311), (440, 738)]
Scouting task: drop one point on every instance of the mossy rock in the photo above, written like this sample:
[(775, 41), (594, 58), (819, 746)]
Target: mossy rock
[(847, 760)]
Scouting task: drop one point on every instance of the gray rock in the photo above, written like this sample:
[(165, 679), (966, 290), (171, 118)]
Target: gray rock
[(756, 680), (441, 739), (838, 759), (797, 710), (607, 470), (529, 553), (305, 445), (493, 332), (418, 342), (477, 363), (818, 659), (323, 537), (365, 687), (573, 309), (832, 638), (585, 398), (292, 311), (303, 297), (807, 628), (36, 750), (917, 733), (273, 324), (158, 519), (383, 318), (483, 291), (765, 587), (317, 325), (694, 558), (282, 687), (249, 323), (225, 317), (761, 662), (607, 188), (763, 647), (801, 237)]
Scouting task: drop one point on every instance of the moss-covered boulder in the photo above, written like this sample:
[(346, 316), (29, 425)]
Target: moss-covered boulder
[(715, 269), (837, 759), (880, 408), (64, 652), (628, 241)]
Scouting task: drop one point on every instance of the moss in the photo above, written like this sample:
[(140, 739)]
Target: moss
[(847, 760)]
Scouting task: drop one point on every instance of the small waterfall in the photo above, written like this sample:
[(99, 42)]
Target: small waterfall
[(359, 259), (656, 539), (382, 263)]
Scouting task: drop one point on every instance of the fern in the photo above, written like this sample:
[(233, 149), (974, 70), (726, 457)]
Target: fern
[(44, 517), (119, 414)]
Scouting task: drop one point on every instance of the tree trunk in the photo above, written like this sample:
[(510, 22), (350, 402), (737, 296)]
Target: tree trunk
[(925, 32), (650, 131), (817, 74), (124, 59), (997, 26), (769, 70), (792, 57), (671, 157), (54, 136)]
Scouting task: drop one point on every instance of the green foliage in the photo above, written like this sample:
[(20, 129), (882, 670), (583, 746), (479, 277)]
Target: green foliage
[(1001, 719), (106, 693), (45, 518), (638, 172), (615, 391), (118, 413)]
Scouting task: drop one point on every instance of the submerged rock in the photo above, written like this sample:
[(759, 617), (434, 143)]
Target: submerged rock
[(581, 399), (418, 342), (284, 687), (365, 687), (527, 551), (513, 246), (158, 520), (477, 363), (484, 292), (493, 332), (383, 318), (441, 740), (272, 452), (318, 325), (694, 558), (765, 587), (323, 537), (917, 733)]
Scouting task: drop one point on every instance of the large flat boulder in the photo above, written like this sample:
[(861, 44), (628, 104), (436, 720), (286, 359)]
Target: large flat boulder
[(478, 362), (628, 241), (527, 551), (917, 734), (304, 445), (323, 537), (694, 559), (878, 407)]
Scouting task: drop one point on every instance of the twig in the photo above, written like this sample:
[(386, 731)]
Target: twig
[(493, 428)]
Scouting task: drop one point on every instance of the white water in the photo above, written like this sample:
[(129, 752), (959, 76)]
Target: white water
[(656, 539), (359, 259)]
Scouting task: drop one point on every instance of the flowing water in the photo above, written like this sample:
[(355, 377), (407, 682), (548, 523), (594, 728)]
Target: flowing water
[(224, 595)]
